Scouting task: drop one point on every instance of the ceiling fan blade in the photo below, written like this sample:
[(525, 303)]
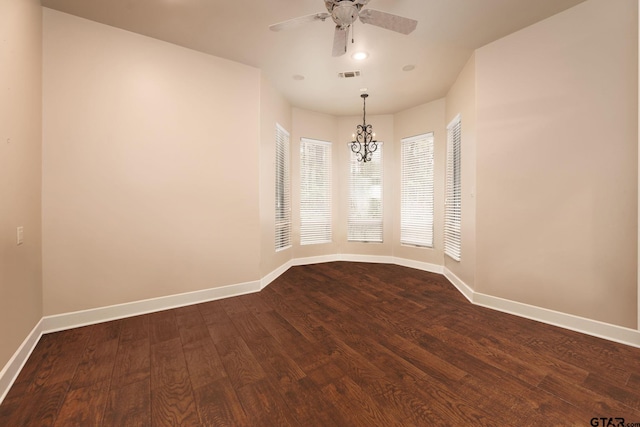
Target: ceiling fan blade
[(296, 22), (340, 40), (388, 21)]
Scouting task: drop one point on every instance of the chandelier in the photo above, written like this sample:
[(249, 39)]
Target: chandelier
[(363, 144)]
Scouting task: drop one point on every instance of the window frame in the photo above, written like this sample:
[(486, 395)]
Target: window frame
[(359, 225), (283, 189), (453, 191), (316, 221), (417, 190)]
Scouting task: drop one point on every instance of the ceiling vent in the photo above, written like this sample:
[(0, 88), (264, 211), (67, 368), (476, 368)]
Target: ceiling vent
[(349, 74)]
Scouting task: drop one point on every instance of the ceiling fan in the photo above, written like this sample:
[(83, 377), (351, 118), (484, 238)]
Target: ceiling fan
[(346, 12)]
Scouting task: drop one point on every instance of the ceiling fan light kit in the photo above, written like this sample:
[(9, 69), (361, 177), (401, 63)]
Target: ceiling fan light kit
[(360, 56), (344, 13)]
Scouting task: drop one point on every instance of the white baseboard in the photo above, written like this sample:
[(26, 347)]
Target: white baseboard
[(583, 325), (92, 316), (315, 260), (375, 259), (459, 284), (418, 265), (270, 277), (103, 314), (595, 328), (13, 367)]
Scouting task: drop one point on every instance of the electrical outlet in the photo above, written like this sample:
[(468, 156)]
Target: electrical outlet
[(20, 235)]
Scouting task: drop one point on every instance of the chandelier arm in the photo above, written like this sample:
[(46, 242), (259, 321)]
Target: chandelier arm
[(363, 145)]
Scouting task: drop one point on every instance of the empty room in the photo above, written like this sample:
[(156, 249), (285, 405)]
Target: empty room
[(319, 213)]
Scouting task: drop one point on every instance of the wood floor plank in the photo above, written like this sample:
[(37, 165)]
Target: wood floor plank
[(340, 343), (42, 354), (132, 363), (62, 361), (169, 408), (297, 345), (256, 304), (428, 404), (530, 374), (548, 364), (634, 381), (218, 322), (263, 405), (322, 413), (40, 409), (134, 328), (129, 405), (274, 360), (239, 362), (204, 363), (190, 324), (620, 392), (324, 374), (162, 326), (398, 389), (84, 406), (219, 406), (97, 363), (497, 401), (587, 400), (172, 401), (168, 366), (356, 406)]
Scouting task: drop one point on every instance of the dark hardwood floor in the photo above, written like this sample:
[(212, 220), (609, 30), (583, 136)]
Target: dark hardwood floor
[(336, 344)]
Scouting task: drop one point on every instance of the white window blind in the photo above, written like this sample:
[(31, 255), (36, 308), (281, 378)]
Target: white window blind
[(365, 198), (283, 192), (453, 202), (416, 191), (315, 192)]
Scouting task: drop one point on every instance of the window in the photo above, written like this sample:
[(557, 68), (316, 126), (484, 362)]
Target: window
[(416, 191), (315, 192), (365, 198), (283, 196), (453, 202)]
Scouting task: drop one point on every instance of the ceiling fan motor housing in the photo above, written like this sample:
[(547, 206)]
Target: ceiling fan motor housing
[(343, 13)]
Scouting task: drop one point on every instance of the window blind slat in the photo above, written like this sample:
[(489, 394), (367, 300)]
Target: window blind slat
[(283, 190), (315, 192), (453, 202), (365, 198), (416, 207)]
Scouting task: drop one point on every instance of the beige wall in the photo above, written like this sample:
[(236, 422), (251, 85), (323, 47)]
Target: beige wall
[(142, 195), (461, 100), (557, 163), (324, 127), (150, 167), (273, 109), (425, 118), (20, 171)]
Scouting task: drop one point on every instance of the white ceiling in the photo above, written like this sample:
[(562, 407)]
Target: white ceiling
[(448, 31)]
